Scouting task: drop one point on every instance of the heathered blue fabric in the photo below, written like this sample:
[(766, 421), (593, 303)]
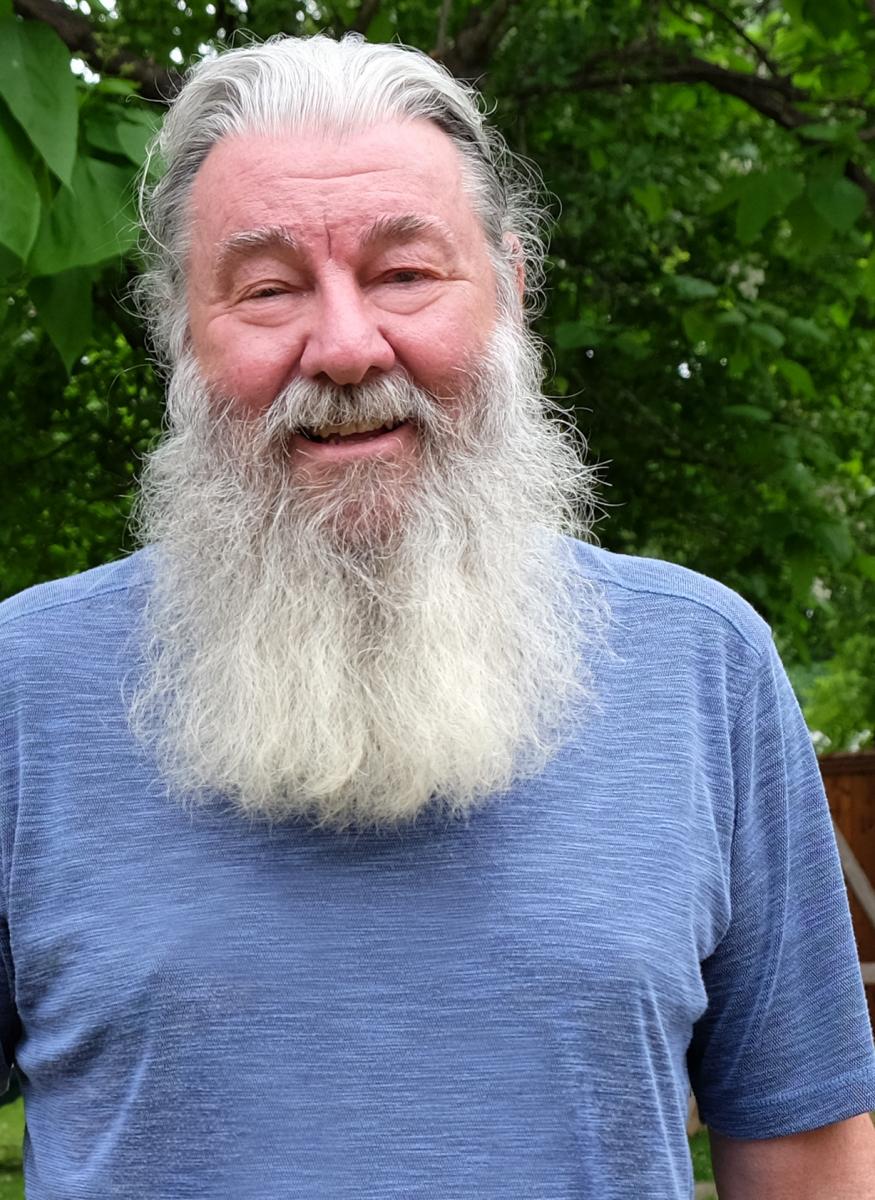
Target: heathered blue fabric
[(503, 1009)]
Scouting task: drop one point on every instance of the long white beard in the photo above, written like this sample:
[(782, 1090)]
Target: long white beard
[(351, 652)]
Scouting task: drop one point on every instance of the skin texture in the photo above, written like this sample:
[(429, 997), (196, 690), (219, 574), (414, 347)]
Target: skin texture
[(327, 296), (833, 1163)]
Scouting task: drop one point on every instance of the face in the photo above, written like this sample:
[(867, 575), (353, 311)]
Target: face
[(338, 262), (315, 631)]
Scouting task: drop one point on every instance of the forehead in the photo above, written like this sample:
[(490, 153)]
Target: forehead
[(328, 189)]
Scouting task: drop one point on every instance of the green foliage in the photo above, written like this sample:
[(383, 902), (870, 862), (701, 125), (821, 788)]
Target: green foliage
[(700, 1152), (87, 223), (63, 305), (20, 211), (71, 447), (11, 1137), (36, 83), (712, 293)]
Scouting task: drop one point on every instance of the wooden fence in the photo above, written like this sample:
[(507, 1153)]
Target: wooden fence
[(850, 787)]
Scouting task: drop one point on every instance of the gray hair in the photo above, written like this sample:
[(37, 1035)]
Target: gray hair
[(287, 84)]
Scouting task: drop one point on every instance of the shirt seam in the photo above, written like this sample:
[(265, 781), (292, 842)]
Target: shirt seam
[(650, 590), (813, 1091), (757, 671), (49, 605)]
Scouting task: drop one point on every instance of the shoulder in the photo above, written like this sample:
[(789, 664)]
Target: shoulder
[(70, 600), (667, 595)]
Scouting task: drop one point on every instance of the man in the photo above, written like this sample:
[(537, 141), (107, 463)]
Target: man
[(366, 835)]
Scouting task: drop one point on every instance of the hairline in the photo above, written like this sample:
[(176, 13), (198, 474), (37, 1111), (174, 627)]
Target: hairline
[(341, 129), (501, 188)]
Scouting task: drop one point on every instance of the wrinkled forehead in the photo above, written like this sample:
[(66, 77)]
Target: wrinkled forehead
[(401, 176)]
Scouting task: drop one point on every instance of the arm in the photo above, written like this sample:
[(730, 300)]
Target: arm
[(785, 1041), (833, 1163)]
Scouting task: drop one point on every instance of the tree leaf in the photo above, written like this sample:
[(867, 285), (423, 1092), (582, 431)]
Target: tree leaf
[(634, 343), (837, 540), (10, 265), (688, 287), (20, 208), (807, 328), (864, 564), (768, 334), (650, 198), (39, 87), (810, 232), (802, 568), (831, 17), (797, 376), (822, 132), (697, 326), (382, 28), (748, 412), (733, 317), (101, 130), (116, 87), (125, 133), (63, 303), (739, 364), (574, 335), (730, 193), (88, 223), (837, 200), (766, 193), (135, 135)]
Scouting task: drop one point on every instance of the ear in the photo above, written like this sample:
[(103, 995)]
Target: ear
[(515, 247)]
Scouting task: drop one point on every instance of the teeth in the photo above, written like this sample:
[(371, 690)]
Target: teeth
[(333, 431)]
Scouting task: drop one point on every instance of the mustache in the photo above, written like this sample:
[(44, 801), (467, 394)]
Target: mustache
[(306, 404)]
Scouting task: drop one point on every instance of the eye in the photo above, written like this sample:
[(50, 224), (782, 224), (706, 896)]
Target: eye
[(267, 292), (406, 275)]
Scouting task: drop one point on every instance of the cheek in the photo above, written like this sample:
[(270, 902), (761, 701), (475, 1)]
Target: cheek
[(440, 351), (245, 364)]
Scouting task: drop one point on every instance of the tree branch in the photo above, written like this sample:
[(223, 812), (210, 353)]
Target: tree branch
[(468, 57), (365, 15), (226, 21), (761, 55), (776, 98), (470, 53), (440, 44), (78, 35)]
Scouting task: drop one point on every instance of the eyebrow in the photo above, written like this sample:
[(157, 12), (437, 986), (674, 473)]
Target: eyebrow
[(249, 242), (406, 228), (400, 230)]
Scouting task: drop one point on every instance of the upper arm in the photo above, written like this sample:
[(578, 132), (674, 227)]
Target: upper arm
[(784, 1043), (833, 1163)]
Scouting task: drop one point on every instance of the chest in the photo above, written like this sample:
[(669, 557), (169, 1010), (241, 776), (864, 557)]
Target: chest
[(574, 912)]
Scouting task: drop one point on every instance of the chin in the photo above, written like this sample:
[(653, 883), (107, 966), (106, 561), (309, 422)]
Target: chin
[(360, 509)]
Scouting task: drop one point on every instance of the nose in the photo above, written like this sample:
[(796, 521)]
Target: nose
[(345, 341)]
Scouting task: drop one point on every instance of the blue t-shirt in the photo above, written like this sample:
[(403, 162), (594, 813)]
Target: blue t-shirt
[(511, 1008)]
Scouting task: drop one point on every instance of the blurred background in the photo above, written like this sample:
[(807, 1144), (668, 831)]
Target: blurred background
[(711, 294)]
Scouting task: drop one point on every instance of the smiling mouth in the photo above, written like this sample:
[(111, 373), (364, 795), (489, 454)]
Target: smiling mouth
[(358, 431)]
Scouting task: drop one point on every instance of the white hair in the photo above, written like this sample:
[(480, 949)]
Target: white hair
[(352, 653), (288, 84)]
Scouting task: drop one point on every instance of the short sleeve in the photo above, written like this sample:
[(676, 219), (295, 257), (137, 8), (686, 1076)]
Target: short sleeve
[(785, 1043), (9, 1023), (10, 1027)]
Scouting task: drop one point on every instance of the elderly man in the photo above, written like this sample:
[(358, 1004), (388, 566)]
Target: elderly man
[(366, 835)]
